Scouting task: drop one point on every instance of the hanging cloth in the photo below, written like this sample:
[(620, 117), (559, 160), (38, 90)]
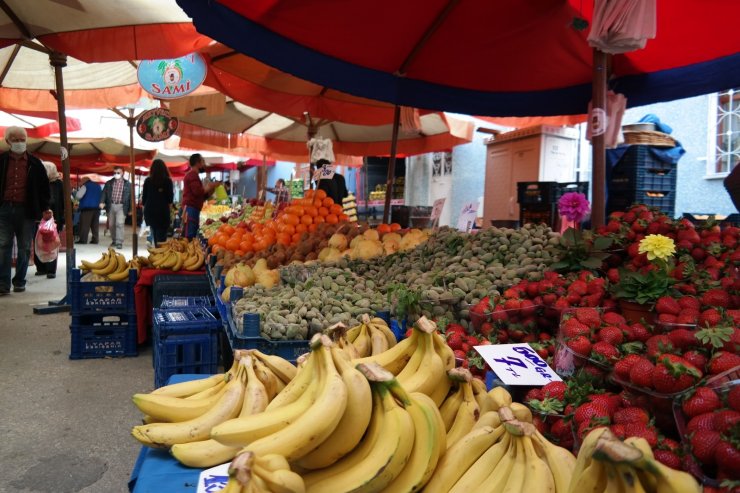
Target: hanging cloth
[(610, 123), (410, 121), (620, 26), (320, 148)]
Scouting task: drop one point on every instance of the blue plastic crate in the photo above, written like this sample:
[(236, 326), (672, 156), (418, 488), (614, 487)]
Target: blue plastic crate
[(246, 337), (183, 321), (179, 285), (665, 200), (190, 353), (102, 336), (207, 302), (101, 297)]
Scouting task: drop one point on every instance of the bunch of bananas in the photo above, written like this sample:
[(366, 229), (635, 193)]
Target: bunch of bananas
[(176, 254), (249, 473), (371, 337), (503, 454), (181, 415), (113, 266), (607, 464)]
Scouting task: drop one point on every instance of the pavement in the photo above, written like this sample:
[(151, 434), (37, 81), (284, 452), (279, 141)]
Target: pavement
[(65, 423)]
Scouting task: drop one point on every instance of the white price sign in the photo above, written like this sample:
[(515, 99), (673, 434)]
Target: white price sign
[(214, 479), (468, 216), (327, 172), (437, 207), (517, 364)]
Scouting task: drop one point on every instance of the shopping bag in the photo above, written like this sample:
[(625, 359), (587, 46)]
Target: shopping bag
[(47, 241)]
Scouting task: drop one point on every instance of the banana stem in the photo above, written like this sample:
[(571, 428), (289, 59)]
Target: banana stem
[(460, 375), (241, 467), (374, 372), (426, 325)]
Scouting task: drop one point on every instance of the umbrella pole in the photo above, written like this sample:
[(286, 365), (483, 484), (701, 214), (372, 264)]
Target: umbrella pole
[(59, 61), (134, 237), (598, 146), (391, 166)]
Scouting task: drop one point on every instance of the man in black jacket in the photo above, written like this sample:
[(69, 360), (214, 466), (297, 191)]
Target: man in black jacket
[(24, 201)]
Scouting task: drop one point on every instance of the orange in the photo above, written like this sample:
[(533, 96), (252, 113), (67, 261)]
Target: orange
[(319, 219), (289, 229), (239, 253), (307, 220), (232, 244), (301, 228), (212, 240), (223, 240), (395, 227), (336, 209), (311, 211), (283, 238), (323, 211), (318, 203), (328, 202), (216, 248), (332, 219), (312, 228), (343, 217), (309, 193), (227, 229), (320, 194), (296, 237), (383, 228), (291, 219), (245, 246)]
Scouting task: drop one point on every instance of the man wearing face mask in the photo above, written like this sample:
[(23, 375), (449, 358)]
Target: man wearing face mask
[(116, 200), (194, 195), (24, 201)]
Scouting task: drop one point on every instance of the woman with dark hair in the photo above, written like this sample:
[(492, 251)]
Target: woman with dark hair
[(157, 197)]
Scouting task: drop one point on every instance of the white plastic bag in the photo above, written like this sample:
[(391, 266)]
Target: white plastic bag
[(47, 241)]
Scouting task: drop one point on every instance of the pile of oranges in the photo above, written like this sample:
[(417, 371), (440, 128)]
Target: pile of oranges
[(300, 216)]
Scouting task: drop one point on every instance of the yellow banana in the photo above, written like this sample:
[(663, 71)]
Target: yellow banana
[(297, 387), (449, 407), (485, 401), (184, 389), (179, 261), (168, 434), (459, 457), (268, 378), (281, 480), (467, 414), (380, 324), (501, 398), (472, 479), (207, 392), (354, 422), (429, 374), (99, 264), (111, 266), (444, 351), (282, 368), (396, 358), (498, 478), (363, 344), (272, 462), (560, 460), (121, 274), (378, 340), (166, 409), (537, 475), (256, 398), (517, 474), (491, 418)]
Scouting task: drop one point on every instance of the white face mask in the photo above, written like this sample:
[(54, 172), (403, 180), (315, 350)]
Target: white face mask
[(117, 175), (18, 147)]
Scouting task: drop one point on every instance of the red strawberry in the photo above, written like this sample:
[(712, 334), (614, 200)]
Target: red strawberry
[(631, 415), (613, 275), (638, 332), (554, 390), (723, 361), (454, 340), (486, 328), (683, 338), (733, 398), (623, 366), (641, 373), (701, 422), (710, 317), (580, 345), (611, 401), (668, 458), (578, 287), (659, 344), (642, 430), (727, 457), (689, 302), (673, 374), (612, 335), (733, 345), (533, 395), (667, 319), (612, 318), (588, 316), (667, 304), (560, 428), (586, 412), (618, 431), (703, 400), (603, 351), (573, 327), (688, 316), (696, 358), (703, 444), (716, 297), (670, 445), (725, 419)]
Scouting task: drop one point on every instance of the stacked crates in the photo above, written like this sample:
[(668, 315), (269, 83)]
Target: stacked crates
[(640, 177), (103, 318), (185, 340), (538, 200)]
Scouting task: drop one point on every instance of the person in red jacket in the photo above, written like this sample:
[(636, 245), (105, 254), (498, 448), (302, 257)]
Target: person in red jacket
[(194, 194)]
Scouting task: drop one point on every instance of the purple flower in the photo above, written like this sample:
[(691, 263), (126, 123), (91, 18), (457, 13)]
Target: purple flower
[(573, 206)]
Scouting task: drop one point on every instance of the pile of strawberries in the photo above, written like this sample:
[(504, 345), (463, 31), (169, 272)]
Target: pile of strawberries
[(711, 431)]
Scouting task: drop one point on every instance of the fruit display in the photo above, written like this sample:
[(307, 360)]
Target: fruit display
[(112, 266), (250, 211), (177, 254), (372, 336), (243, 276), (349, 207), (250, 473)]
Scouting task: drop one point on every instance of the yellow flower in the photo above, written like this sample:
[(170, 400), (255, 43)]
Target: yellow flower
[(657, 246)]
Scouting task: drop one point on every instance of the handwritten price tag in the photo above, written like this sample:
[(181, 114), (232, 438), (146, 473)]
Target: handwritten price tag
[(437, 207), (327, 172), (517, 364), (467, 216), (214, 479)]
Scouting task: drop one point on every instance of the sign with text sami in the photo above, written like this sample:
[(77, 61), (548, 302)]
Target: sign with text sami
[(172, 78), (156, 125), (517, 364), (213, 479)]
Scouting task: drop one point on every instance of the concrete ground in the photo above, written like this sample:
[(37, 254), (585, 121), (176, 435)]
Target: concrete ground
[(65, 424)]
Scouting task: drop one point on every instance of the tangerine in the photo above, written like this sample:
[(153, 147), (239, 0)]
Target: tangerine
[(319, 219), (291, 219), (297, 237), (307, 220), (395, 227), (343, 217), (320, 194), (312, 228), (301, 228), (383, 228), (232, 244), (323, 211), (328, 202), (332, 219)]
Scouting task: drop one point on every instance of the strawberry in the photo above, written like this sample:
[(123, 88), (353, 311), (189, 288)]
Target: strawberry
[(701, 422), (659, 344), (727, 457), (613, 275), (716, 297), (668, 458), (612, 335), (573, 327), (555, 390), (733, 398), (733, 345), (689, 302), (703, 444), (710, 317), (611, 401), (534, 395), (667, 304), (641, 430), (631, 415), (723, 361), (603, 351), (688, 317), (586, 412), (460, 354), (611, 318), (703, 400), (486, 328), (623, 366), (670, 445), (618, 431), (578, 287), (673, 374), (638, 332), (580, 345), (454, 340), (588, 316), (725, 419), (667, 319), (683, 338), (641, 373), (560, 428)]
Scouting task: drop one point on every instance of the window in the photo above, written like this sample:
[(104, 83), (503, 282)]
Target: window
[(726, 145)]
